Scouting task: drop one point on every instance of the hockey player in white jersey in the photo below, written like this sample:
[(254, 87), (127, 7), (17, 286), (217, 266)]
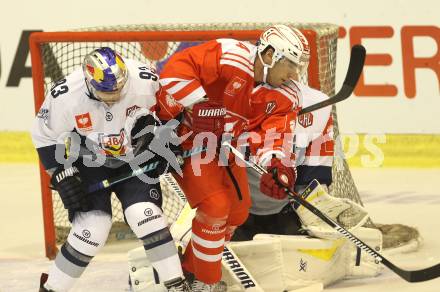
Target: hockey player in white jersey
[(104, 108), (314, 157)]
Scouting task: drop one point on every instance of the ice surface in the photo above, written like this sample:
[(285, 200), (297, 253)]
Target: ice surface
[(407, 196)]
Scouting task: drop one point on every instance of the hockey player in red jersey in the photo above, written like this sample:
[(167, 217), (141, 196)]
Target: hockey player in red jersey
[(231, 86)]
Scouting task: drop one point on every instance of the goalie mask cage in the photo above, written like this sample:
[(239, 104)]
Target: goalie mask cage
[(56, 54)]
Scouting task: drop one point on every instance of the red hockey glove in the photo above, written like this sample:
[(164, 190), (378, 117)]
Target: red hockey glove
[(278, 177), (208, 116)]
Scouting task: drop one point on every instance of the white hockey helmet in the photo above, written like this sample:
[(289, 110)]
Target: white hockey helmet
[(106, 74), (287, 42)]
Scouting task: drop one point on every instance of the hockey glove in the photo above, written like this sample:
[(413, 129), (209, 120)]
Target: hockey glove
[(208, 116), (71, 188), (142, 131), (277, 179)]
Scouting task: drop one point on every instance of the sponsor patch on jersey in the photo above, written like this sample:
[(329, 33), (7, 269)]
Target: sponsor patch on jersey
[(84, 122), (270, 106), (43, 114), (305, 120), (154, 194), (235, 85), (131, 110), (114, 144)]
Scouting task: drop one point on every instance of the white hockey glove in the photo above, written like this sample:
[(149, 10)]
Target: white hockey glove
[(348, 214)]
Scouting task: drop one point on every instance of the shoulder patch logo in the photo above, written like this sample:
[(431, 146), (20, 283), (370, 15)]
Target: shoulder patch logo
[(271, 105), (84, 122), (305, 120), (43, 114), (131, 110), (234, 86), (171, 102)]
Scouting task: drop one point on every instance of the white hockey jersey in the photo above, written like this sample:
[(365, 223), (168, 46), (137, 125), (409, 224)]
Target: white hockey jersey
[(70, 108), (313, 148)]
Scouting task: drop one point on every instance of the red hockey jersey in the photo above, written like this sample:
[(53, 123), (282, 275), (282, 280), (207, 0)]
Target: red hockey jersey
[(223, 70)]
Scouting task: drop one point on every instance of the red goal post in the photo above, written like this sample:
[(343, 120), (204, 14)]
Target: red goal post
[(321, 73)]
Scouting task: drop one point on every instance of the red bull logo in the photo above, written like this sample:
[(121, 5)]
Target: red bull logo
[(114, 144)]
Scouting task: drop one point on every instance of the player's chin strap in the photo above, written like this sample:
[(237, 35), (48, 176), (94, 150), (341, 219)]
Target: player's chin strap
[(265, 71), (408, 275), (266, 66)]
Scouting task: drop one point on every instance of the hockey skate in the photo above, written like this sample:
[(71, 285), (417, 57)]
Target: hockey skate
[(177, 285), (199, 286), (43, 280)]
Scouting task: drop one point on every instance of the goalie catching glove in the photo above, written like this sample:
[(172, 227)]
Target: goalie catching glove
[(277, 178), (345, 212), (71, 188)]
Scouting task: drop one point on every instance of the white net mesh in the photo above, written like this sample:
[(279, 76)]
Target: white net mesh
[(62, 58)]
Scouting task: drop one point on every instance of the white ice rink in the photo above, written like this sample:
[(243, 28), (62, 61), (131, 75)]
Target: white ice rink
[(407, 196)]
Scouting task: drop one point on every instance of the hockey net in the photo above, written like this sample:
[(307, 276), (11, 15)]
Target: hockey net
[(55, 55)]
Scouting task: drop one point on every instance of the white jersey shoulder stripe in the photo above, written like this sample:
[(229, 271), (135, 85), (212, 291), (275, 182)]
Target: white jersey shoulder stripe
[(238, 57), (193, 97), (238, 65), (166, 81), (238, 60), (178, 86), (250, 68)]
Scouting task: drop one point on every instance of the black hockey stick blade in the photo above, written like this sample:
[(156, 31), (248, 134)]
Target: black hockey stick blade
[(421, 275), (357, 60)]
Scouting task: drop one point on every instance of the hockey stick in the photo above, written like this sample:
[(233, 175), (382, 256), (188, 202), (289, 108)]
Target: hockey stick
[(408, 275), (357, 59), (148, 167)]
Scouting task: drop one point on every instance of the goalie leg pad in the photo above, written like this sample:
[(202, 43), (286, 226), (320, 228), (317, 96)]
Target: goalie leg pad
[(313, 260), (88, 235), (149, 224)]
